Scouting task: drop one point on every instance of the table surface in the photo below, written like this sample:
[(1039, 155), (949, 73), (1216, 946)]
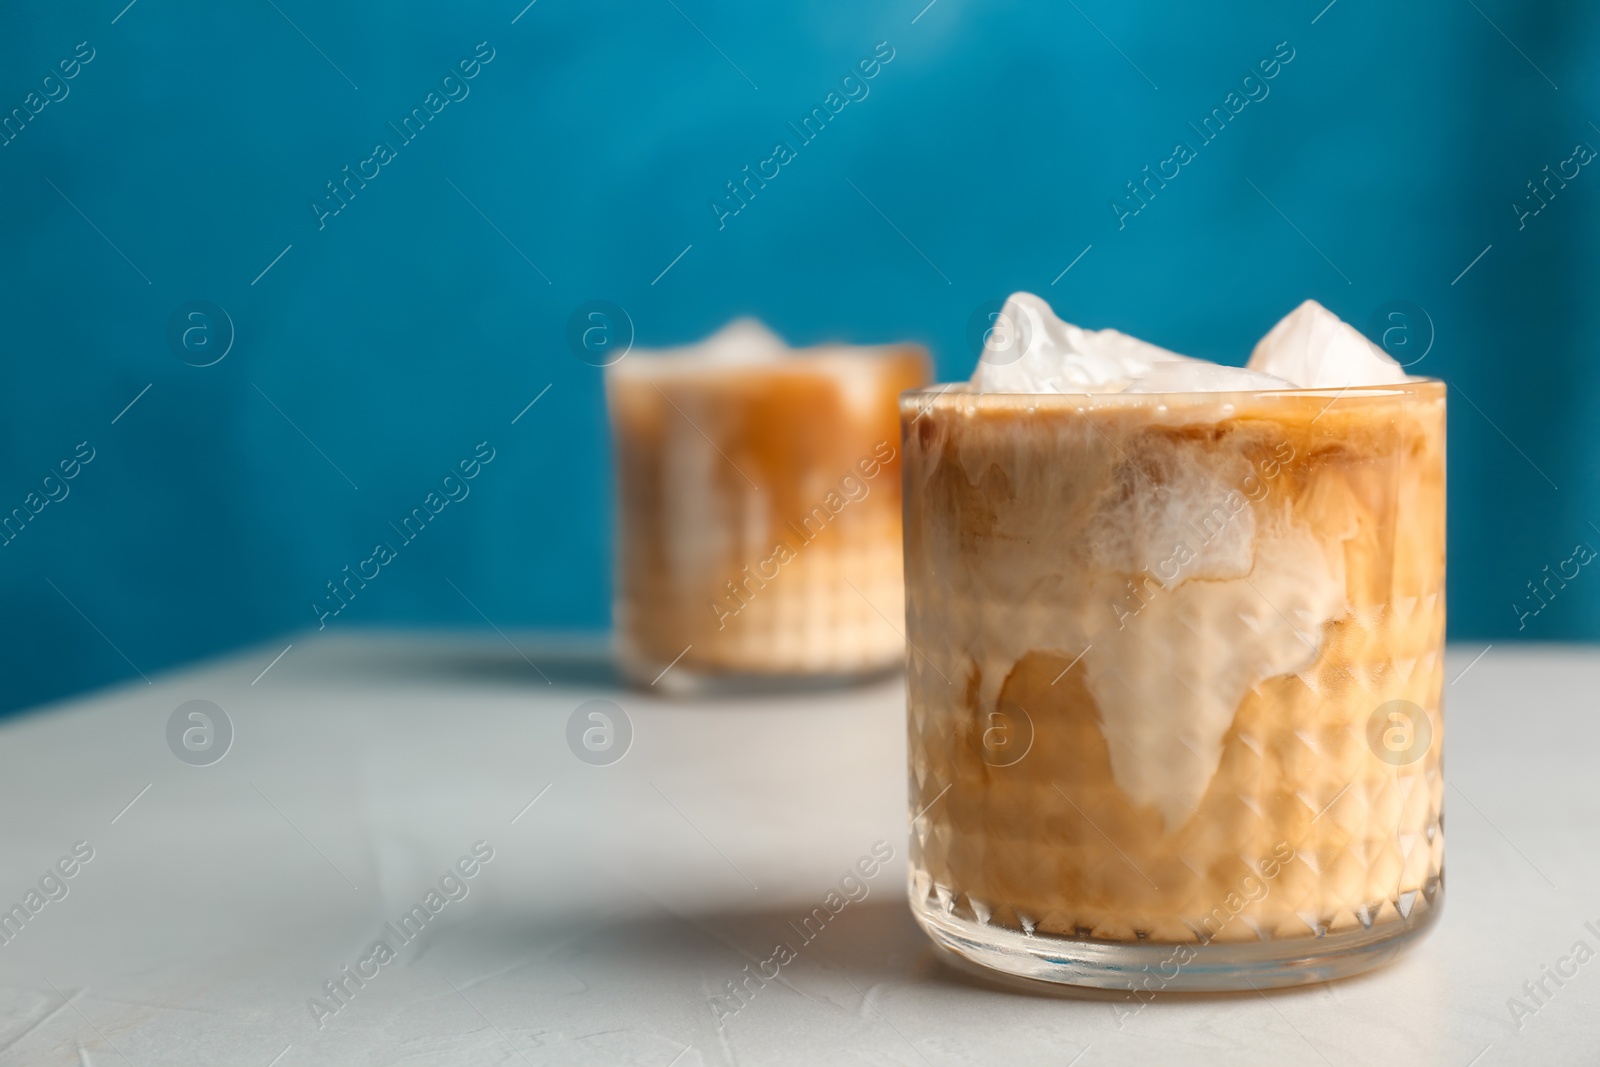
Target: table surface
[(623, 899)]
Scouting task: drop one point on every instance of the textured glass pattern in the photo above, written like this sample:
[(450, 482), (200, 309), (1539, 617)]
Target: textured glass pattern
[(1315, 810)]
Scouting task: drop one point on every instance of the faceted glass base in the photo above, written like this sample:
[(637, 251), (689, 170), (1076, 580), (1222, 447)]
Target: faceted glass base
[(1146, 968)]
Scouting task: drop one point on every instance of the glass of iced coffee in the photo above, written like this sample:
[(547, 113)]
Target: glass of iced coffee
[(758, 511), (1176, 657)]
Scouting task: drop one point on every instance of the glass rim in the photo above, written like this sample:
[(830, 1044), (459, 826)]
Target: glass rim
[(1413, 384)]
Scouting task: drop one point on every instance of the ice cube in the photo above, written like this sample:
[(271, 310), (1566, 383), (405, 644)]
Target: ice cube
[(745, 340), (1314, 349), (1030, 350)]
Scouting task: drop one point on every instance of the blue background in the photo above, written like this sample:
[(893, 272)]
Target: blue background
[(412, 327)]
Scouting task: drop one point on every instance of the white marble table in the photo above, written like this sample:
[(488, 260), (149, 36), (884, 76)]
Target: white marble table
[(623, 900)]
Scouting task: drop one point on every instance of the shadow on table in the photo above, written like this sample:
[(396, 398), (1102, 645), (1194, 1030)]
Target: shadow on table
[(529, 664), (875, 942), (583, 663)]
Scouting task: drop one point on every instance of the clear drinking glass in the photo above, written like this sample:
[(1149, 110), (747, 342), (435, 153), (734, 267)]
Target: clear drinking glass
[(758, 516), (1174, 682)]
